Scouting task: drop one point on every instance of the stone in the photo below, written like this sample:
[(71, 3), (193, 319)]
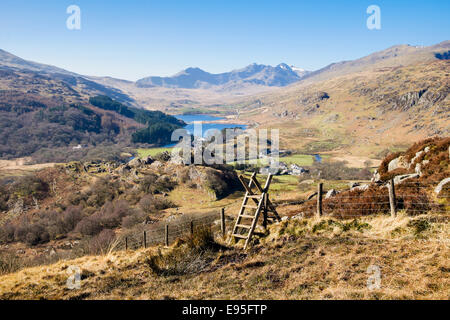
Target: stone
[(403, 177), (331, 193), (413, 160), (441, 184), (397, 163), (353, 184), (148, 160), (363, 187), (135, 163), (418, 169), (376, 177)]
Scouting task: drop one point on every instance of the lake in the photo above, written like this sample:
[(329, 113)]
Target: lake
[(191, 118)]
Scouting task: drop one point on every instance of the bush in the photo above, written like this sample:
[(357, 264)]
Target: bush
[(164, 184), (31, 186), (191, 257), (102, 242), (146, 184), (9, 263), (89, 226), (133, 219), (336, 171), (147, 203)]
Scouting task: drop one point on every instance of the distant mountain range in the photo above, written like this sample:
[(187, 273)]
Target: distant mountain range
[(257, 74)]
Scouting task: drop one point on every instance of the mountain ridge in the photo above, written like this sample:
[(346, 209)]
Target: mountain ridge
[(258, 74)]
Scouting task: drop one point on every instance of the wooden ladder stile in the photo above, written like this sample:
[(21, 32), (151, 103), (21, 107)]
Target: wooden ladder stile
[(261, 199)]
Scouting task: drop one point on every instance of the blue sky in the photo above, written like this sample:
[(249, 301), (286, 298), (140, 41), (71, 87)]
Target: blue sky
[(133, 39)]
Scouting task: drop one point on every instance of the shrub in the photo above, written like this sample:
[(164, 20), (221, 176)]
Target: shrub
[(146, 184), (102, 242), (104, 189), (89, 226), (133, 219), (336, 171), (191, 257), (9, 263), (164, 184), (31, 186), (147, 203)]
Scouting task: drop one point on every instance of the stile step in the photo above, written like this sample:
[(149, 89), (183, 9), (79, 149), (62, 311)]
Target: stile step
[(239, 236), (243, 226), (246, 216)]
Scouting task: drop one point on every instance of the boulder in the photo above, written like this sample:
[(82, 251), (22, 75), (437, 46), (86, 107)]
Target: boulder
[(397, 163), (413, 160), (353, 185), (418, 169), (331, 193), (403, 177), (157, 164), (135, 163), (362, 187), (441, 184), (148, 160), (376, 177)]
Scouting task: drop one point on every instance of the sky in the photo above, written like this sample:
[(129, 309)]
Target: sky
[(134, 39)]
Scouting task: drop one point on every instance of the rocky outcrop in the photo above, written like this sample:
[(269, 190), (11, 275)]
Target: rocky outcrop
[(331, 193), (399, 162), (441, 185), (401, 178)]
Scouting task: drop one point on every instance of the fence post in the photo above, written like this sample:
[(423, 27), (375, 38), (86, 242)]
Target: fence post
[(222, 222), (266, 198), (126, 243), (145, 239), (167, 235), (392, 200), (319, 199), (192, 227)]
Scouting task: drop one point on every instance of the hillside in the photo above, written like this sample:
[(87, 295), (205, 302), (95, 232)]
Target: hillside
[(48, 128), (90, 207), (325, 264), (370, 106)]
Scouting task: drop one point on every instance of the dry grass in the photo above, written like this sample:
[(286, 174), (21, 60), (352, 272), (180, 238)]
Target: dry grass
[(297, 259)]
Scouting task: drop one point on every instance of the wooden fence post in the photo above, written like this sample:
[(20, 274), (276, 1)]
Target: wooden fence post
[(392, 200), (126, 243), (167, 235), (145, 239), (319, 199), (222, 222), (266, 201), (192, 227)]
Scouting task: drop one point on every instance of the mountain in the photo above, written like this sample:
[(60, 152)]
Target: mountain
[(12, 62), (38, 78), (364, 107), (395, 56), (255, 74)]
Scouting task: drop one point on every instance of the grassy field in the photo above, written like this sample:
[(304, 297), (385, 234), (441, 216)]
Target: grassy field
[(297, 259), (152, 151)]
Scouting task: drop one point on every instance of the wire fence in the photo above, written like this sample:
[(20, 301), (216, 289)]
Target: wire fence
[(167, 232), (410, 197), (414, 198)]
